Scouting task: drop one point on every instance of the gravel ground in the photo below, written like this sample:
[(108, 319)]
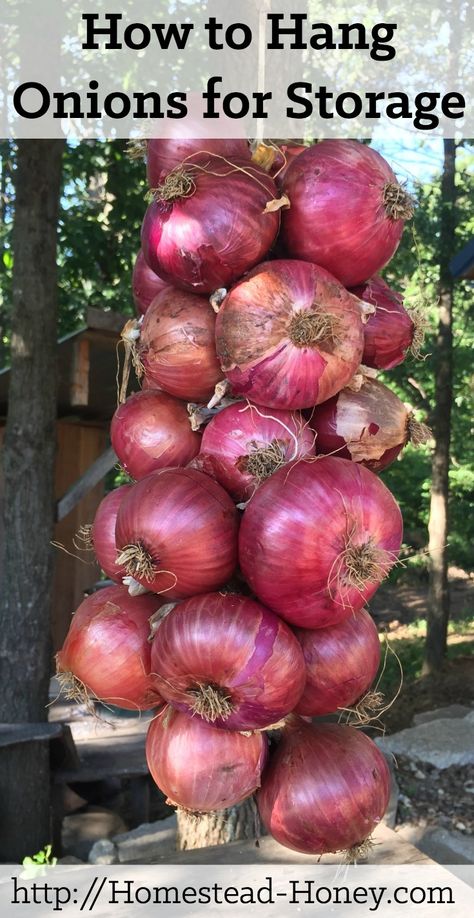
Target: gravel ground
[(443, 798)]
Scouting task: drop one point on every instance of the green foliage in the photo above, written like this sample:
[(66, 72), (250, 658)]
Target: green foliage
[(410, 652), (415, 271), (43, 858)]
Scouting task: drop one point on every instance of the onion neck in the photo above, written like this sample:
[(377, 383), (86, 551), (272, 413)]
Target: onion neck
[(262, 462), (310, 328), (363, 564), (417, 433), (179, 183), (137, 561), (398, 204), (211, 702)]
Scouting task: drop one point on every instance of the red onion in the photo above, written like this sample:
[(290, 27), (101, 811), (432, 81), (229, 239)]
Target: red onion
[(177, 533), (244, 444), (317, 539), (341, 663), (229, 660), (370, 425), (103, 533), (177, 347), (201, 768), (107, 652), (325, 790), (166, 153), (289, 335), (390, 332), (152, 430), (209, 223), (145, 284), (347, 209)]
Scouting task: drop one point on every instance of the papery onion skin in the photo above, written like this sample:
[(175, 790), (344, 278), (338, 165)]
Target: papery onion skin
[(151, 430), (297, 533), (177, 345), (201, 768), (337, 217), (389, 331), (166, 153), (211, 237), (145, 284), (260, 320), (233, 643), (369, 426), (103, 533), (240, 432), (187, 524), (107, 648), (341, 663), (326, 788)]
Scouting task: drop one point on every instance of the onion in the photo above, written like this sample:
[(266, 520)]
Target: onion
[(166, 153), (177, 347), (107, 652), (390, 331), (276, 159), (210, 223), (341, 663), (103, 533), (229, 660), (177, 533), (347, 209), (289, 335), (152, 430), (201, 768), (243, 445), (325, 790), (317, 539), (145, 284), (370, 425)]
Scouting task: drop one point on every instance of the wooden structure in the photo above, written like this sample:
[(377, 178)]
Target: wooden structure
[(462, 265), (86, 402)]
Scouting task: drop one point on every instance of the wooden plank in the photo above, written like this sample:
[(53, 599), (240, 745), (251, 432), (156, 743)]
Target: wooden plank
[(98, 759), (80, 372), (388, 848), (111, 322), (85, 483), (12, 734)]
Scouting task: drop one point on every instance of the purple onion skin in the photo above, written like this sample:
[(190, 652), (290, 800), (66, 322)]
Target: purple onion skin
[(296, 529), (103, 533), (212, 237), (325, 790), (389, 331), (151, 430), (201, 768), (145, 284), (235, 643), (328, 441), (341, 663), (337, 217)]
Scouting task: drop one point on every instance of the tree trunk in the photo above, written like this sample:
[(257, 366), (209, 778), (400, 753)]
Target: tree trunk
[(438, 596), (28, 465), (203, 830)]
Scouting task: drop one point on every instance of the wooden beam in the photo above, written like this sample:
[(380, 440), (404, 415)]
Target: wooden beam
[(111, 322), (85, 483), (80, 372), (11, 734)]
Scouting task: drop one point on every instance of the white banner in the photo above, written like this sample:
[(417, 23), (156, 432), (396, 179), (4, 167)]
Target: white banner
[(426, 891), (273, 68)]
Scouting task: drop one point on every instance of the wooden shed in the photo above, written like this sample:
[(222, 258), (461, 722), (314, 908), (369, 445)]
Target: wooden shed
[(87, 398)]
